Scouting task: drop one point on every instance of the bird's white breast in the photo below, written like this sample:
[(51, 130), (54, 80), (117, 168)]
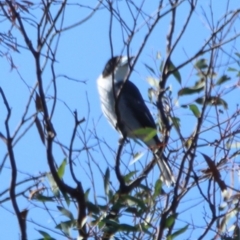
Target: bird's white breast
[(105, 90)]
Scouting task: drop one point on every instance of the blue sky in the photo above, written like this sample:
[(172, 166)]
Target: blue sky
[(82, 54)]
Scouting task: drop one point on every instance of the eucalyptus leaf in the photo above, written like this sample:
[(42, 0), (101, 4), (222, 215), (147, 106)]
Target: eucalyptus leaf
[(145, 133), (106, 181), (45, 235), (61, 169), (201, 64), (65, 212), (170, 220), (157, 188), (195, 110), (149, 68), (175, 73), (178, 232), (189, 91), (223, 79)]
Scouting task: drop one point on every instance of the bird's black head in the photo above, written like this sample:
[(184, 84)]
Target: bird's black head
[(111, 65)]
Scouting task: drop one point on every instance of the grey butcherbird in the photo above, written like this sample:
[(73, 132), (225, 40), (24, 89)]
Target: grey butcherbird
[(132, 113)]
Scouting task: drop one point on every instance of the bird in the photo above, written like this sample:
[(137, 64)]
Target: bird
[(125, 109)]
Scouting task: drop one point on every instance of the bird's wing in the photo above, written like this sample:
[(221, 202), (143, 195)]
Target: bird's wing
[(134, 101)]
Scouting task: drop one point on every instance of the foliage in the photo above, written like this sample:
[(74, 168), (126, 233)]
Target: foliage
[(87, 182)]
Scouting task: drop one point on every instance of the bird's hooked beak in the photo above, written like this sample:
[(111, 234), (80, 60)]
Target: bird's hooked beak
[(125, 60)]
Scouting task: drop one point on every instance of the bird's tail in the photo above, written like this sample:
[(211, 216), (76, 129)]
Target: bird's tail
[(166, 172)]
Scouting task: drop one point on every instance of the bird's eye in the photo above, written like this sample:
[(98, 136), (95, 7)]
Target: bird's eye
[(111, 65)]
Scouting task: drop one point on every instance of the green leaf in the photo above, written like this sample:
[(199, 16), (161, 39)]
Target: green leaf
[(65, 226), (188, 142), (230, 69), (110, 194), (195, 110), (149, 68), (201, 64), (161, 66), (127, 228), (61, 169), (223, 79), (145, 133), (128, 176), (151, 94), (133, 200), (111, 224), (199, 84), (145, 188), (45, 235), (175, 73), (237, 54), (213, 101), (144, 227), (116, 227), (66, 197), (188, 91), (157, 188), (178, 232), (176, 122), (43, 198), (200, 100), (153, 82), (86, 194), (218, 101), (150, 135), (136, 157), (65, 212), (92, 207), (54, 186), (170, 220), (106, 181)]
